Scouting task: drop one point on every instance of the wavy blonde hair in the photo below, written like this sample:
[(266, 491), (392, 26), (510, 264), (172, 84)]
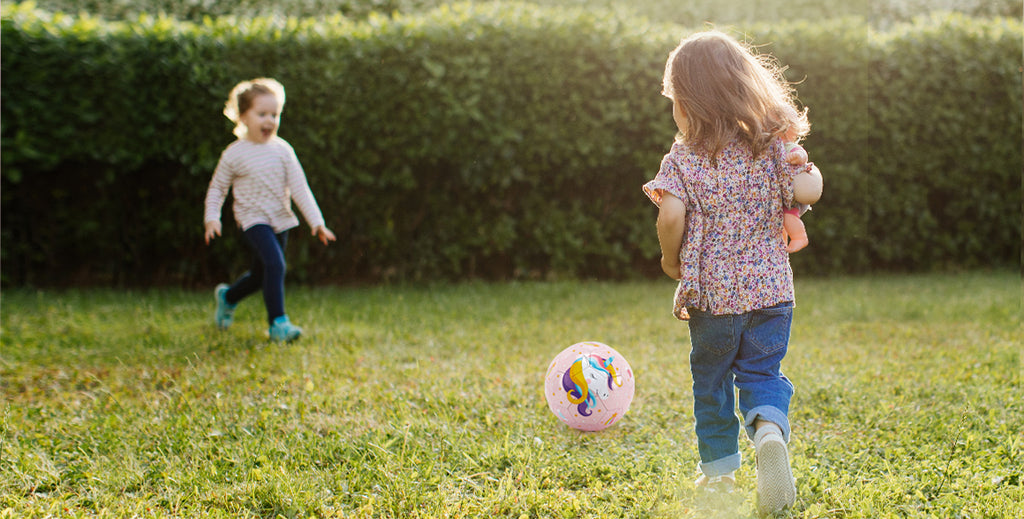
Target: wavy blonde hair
[(730, 92), (241, 98)]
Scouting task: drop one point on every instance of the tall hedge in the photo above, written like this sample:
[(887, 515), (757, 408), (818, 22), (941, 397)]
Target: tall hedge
[(496, 141), (879, 13), (918, 131)]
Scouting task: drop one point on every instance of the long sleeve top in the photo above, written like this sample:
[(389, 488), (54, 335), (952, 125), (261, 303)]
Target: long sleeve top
[(266, 178)]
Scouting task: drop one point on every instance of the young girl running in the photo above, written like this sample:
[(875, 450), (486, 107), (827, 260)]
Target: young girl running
[(265, 176), (721, 191)]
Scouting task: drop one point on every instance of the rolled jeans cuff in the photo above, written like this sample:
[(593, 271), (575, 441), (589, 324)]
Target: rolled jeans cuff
[(721, 466), (769, 414)]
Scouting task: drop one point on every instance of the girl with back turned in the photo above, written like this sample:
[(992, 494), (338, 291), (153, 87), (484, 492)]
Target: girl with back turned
[(721, 193)]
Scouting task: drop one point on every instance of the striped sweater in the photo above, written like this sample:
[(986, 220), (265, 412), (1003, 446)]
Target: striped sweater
[(265, 178)]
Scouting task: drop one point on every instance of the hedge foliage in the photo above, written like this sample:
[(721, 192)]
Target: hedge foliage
[(879, 13), (495, 141)]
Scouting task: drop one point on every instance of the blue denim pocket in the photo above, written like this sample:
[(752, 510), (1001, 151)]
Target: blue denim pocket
[(714, 334), (768, 329)]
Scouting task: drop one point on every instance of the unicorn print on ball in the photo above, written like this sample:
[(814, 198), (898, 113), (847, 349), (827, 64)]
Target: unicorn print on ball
[(590, 377), (589, 386)]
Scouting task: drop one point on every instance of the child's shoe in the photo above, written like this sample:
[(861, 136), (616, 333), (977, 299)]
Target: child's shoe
[(225, 312), (723, 484), (282, 330), (776, 488)]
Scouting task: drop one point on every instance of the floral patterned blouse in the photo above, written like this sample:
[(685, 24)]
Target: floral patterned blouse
[(733, 255)]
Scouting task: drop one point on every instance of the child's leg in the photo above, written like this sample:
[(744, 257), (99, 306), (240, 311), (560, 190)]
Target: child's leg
[(269, 249), (714, 346), (764, 391), (765, 394), (247, 284)]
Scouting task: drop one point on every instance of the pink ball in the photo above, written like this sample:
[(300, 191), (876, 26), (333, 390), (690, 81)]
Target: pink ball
[(589, 386)]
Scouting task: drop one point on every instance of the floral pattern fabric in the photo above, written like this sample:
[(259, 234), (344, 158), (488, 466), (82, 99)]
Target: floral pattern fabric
[(733, 257)]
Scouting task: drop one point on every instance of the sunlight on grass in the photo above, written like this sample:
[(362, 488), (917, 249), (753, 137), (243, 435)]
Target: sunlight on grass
[(427, 402)]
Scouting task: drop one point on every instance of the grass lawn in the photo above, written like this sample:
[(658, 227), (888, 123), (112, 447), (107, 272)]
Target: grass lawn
[(428, 402)]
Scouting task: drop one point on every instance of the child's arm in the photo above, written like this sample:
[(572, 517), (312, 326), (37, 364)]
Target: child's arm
[(303, 197), (671, 225), (220, 184)]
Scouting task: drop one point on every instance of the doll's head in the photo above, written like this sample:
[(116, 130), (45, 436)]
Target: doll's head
[(792, 124)]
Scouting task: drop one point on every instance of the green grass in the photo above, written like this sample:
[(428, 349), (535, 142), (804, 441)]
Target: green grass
[(427, 402)]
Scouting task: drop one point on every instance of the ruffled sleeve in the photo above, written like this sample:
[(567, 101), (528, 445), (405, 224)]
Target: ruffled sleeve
[(668, 179)]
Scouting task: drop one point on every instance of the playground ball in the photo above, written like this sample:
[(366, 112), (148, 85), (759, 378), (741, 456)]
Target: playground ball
[(589, 386)]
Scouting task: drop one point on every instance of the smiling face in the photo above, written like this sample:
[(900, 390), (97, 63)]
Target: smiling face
[(262, 118)]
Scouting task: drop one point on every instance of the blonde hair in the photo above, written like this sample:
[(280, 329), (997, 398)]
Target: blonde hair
[(730, 92), (241, 98)]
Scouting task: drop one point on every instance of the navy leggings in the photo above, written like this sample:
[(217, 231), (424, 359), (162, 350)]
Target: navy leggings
[(267, 270)]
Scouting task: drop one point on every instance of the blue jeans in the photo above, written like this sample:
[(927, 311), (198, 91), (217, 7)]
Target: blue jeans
[(742, 351), (267, 270)]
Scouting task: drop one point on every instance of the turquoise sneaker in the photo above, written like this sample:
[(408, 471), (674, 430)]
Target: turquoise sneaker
[(283, 330), (225, 312)]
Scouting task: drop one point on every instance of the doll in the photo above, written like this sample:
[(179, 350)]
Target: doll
[(807, 188)]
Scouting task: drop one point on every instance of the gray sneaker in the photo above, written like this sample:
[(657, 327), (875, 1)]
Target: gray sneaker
[(776, 488), (718, 484)]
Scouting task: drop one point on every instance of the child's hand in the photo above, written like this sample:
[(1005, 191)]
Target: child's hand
[(796, 155), (212, 230), (323, 234), (671, 267)]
